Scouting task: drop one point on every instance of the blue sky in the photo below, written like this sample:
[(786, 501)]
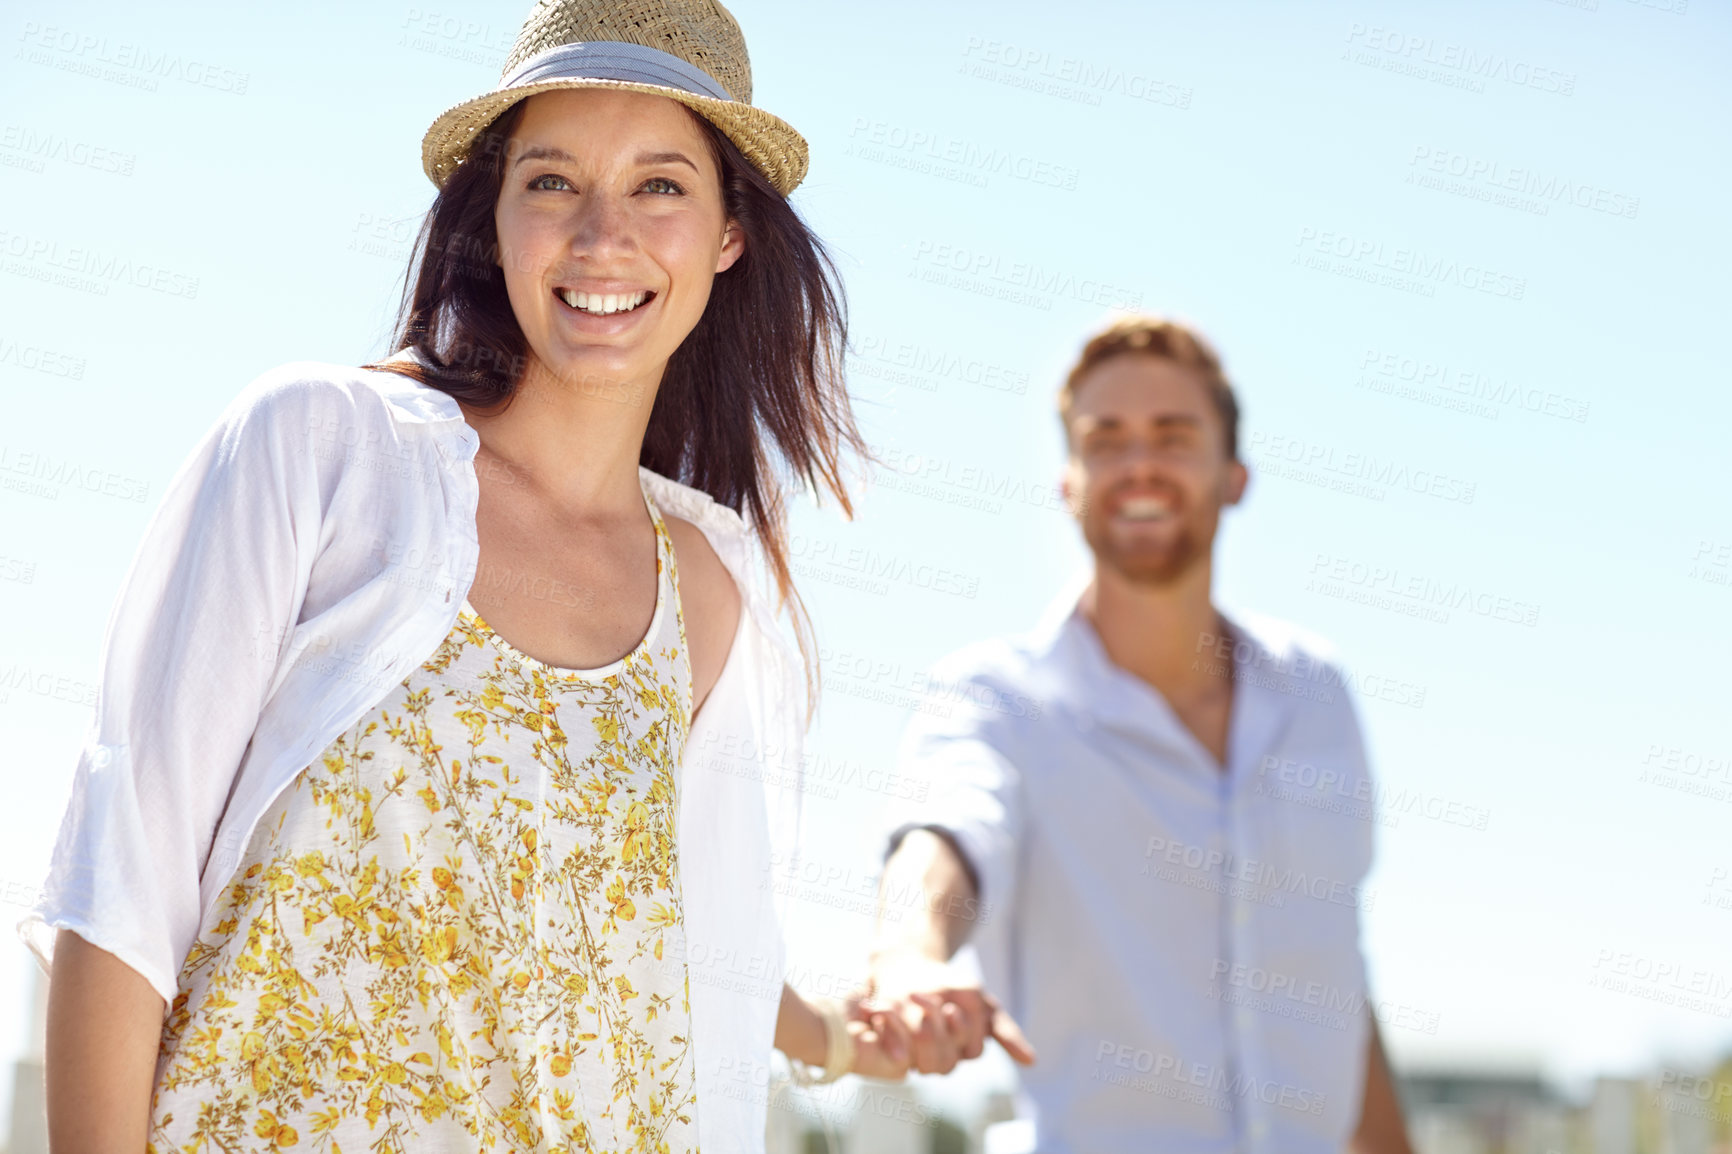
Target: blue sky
[(1464, 262)]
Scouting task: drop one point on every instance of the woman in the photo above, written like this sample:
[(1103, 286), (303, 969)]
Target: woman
[(412, 816)]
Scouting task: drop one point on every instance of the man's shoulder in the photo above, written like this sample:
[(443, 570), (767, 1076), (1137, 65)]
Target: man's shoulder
[(1279, 642), (999, 681), (1014, 657), (1287, 657)]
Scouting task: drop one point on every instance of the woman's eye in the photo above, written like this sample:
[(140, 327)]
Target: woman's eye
[(549, 182), (661, 184)]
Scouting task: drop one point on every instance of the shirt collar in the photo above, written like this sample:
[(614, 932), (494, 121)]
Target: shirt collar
[(1265, 686), (1063, 615)]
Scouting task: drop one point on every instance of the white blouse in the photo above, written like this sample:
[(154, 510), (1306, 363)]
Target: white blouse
[(315, 548)]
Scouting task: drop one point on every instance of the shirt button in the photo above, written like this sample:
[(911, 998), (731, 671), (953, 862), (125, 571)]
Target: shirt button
[(102, 758)]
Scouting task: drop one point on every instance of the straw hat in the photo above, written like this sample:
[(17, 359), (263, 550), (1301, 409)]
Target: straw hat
[(687, 50)]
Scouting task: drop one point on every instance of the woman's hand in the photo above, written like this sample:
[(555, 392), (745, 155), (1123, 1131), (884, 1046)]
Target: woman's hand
[(875, 1055)]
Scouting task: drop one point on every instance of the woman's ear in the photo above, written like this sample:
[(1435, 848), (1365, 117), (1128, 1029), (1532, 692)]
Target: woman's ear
[(733, 246)]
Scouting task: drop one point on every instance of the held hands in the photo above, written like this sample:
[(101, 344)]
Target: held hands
[(921, 1013), (846, 1043), (872, 1056)]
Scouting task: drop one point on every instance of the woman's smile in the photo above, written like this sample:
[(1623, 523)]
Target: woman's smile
[(594, 313), (600, 304)]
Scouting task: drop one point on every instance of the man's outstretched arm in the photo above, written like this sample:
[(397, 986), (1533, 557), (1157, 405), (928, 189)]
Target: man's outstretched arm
[(942, 1019), (938, 923), (1381, 1128)]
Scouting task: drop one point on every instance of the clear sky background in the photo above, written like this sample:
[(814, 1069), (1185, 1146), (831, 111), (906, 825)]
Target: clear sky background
[(1465, 261)]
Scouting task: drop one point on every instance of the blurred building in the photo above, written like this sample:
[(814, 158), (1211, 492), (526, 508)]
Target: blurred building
[(1474, 1112), (27, 1129)]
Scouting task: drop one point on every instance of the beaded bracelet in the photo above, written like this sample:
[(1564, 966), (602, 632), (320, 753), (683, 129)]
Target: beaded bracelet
[(839, 1051)]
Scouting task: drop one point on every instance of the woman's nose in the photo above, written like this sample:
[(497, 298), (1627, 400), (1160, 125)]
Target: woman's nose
[(602, 227)]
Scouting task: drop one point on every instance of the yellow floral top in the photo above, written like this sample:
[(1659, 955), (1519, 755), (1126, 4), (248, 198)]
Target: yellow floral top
[(461, 928)]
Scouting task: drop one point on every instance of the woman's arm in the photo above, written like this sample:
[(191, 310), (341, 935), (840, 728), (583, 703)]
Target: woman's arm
[(189, 656), (801, 1033), (800, 1029), (104, 1026)]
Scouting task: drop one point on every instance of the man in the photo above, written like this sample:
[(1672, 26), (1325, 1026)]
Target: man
[(1150, 818)]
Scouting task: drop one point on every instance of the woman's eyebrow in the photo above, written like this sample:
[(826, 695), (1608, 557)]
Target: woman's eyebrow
[(547, 152), (542, 152), (649, 158)]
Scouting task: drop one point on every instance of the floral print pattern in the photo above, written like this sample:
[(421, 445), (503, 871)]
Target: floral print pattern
[(460, 929)]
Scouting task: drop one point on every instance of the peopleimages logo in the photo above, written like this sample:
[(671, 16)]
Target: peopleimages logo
[(40, 360), (1413, 594), (42, 475), (889, 143), (1402, 266), (1299, 459), (1545, 189), (39, 147), (1463, 387), (1259, 875), (961, 483), (918, 364), (91, 268), (1066, 77), (1021, 276), (1116, 1062), (1668, 981), (1306, 784), (938, 693), (1397, 50), (134, 65)]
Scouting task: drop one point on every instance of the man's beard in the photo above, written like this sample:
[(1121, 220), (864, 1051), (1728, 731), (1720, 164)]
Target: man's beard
[(1153, 566)]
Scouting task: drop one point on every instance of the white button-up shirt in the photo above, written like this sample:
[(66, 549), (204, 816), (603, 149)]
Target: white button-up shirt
[(315, 548), (1179, 939)]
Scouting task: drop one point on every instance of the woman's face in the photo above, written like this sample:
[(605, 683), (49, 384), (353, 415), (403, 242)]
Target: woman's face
[(611, 230)]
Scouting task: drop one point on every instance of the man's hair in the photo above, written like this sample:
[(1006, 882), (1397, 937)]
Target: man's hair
[(1158, 337)]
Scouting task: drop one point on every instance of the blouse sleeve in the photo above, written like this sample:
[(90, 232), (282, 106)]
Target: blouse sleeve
[(189, 657)]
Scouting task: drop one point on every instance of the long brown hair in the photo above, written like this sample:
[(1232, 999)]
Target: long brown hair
[(753, 398)]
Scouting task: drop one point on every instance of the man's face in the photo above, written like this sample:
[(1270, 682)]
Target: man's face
[(1148, 471)]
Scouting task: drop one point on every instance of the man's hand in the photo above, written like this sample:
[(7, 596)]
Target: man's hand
[(924, 1009)]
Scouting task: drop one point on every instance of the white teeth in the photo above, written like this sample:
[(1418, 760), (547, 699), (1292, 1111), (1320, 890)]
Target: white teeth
[(1145, 508), (603, 304)]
